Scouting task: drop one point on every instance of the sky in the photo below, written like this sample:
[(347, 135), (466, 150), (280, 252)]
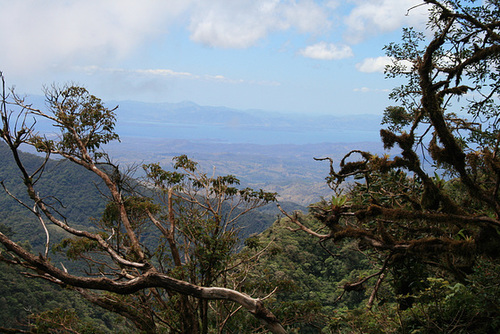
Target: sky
[(296, 56)]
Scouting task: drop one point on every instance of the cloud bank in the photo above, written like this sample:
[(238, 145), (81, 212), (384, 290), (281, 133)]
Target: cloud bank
[(39, 34), (42, 35), (371, 17), (241, 24)]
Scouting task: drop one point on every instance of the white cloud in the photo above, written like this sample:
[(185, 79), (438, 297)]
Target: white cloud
[(37, 34), (370, 65), (327, 51), (227, 27), (306, 16), (371, 17), (40, 36), (241, 24), (168, 73)]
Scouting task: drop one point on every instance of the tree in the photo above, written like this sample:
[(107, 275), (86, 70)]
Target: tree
[(433, 208), (151, 281)]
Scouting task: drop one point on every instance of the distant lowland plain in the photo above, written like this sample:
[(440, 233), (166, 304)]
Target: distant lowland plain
[(269, 150)]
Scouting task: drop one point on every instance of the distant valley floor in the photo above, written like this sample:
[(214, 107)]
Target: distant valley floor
[(287, 169)]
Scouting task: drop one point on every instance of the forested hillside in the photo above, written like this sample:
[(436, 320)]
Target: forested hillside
[(306, 276), (76, 195), (28, 302), (407, 242), (326, 286), (80, 198)]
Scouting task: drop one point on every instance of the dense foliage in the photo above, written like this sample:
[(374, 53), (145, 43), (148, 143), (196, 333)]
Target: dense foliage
[(318, 290), (430, 213), (163, 247), (30, 304), (407, 243), (307, 274), (27, 232)]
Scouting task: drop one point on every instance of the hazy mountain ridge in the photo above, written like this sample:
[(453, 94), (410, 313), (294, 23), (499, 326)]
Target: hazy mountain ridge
[(188, 120), (191, 113), (267, 150)]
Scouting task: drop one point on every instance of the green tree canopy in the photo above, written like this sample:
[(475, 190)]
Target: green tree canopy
[(433, 206), (163, 284)]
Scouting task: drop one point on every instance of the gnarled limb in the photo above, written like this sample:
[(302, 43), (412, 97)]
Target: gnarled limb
[(149, 279)]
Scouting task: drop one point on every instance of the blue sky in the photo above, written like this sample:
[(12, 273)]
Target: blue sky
[(321, 57)]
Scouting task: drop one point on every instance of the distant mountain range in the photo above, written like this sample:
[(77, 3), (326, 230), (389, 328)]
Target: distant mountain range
[(190, 121), (264, 149), (187, 120)]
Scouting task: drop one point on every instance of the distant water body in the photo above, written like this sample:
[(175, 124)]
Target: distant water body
[(189, 121), (251, 135)]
